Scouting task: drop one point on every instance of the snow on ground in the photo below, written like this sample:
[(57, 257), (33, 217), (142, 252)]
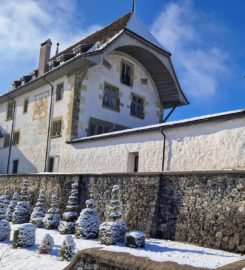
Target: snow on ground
[(158, 250)]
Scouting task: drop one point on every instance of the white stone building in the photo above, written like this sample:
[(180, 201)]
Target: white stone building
[(96, 107)]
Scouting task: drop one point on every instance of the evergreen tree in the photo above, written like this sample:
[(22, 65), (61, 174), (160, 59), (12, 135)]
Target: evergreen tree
[(114, 211), (22, 211), (39, 212), (87, 225), (12, 206), (67, 251), (46, 245), (114, 229), (52, 217), (67, 225), (24, 235), (4, 202)]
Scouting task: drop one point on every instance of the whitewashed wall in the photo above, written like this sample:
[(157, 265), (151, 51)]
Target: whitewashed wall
[(215, 145), (91, 98), (33, 130)]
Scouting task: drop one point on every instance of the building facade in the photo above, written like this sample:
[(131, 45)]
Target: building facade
[(115, 79)]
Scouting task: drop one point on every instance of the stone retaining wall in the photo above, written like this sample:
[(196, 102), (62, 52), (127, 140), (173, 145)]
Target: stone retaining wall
[(97, 259), (205, 208)]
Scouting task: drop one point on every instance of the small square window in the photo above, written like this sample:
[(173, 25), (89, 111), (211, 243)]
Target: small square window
[(56, 128), (127, 74), (137, 106), (16, 138), (59, 91), (111, 97), (25, 107), (10, 110)]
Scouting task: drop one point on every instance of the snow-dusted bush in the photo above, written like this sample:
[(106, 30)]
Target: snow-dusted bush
[(11, 206), (52, 218), (22, 211), (67, 251), (46, 245), (87, 225), (113, 230), (67, 225), (39, 212), (111, 233), (24, 235), (4, 230), (135, 239), (4, 202), (114, 210)]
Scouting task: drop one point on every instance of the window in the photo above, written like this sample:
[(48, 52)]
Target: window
[(137, 106), (50, 164), (97, 126), (127, 74), (15, 166), (25, 107), (10, 110), (59, 91), (6, 140), (53, 164), (133, 162), (16, 138), (111, 97), (56, 128)]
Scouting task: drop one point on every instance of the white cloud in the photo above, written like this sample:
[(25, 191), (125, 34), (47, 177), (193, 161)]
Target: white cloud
[(192, 37), (25, 24)]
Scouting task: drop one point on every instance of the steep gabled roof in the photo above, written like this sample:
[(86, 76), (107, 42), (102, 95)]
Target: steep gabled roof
[(127, 22), (102, 35)]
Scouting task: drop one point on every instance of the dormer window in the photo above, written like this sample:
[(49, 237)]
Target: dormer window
[(127, 74)]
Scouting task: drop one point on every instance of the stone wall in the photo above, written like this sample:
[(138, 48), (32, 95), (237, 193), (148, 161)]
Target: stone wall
[(206, 208), (97, 259)]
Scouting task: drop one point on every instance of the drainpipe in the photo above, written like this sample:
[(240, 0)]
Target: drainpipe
[(49, 126), (11, 134), (164, 136)]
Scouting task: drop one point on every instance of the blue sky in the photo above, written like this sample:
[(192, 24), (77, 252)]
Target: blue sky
[(206, 39)]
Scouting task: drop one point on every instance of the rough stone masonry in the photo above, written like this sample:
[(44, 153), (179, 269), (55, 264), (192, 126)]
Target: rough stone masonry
[(206, 208)]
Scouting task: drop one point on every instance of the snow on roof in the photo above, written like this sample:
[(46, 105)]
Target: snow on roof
[(164, 125), (135, 25)]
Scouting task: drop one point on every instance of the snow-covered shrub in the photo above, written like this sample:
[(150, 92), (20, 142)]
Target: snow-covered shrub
[(67, 225), (113, 230), (87, 225), (52, 218), (39, 212), (11, 206), (67, 251), (4, 230), (135, 239), (24, 235), (46, 245), (111, 233), (22, 211), (114, 210), (4, 202)]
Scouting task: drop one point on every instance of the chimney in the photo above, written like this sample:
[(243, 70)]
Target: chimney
[(44, 57)]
